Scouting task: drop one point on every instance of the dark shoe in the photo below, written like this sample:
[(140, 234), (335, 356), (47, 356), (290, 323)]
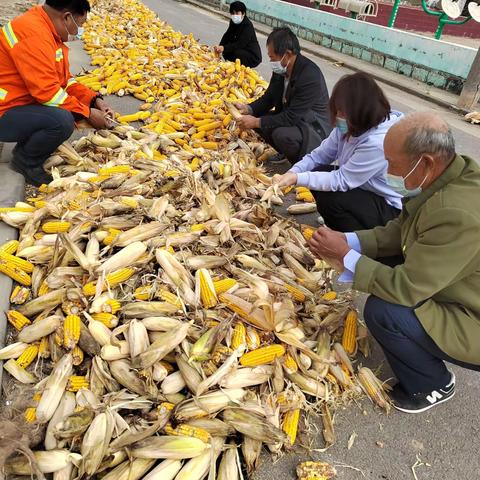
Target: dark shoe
[(35, 176), (421, 402), (278, 158)]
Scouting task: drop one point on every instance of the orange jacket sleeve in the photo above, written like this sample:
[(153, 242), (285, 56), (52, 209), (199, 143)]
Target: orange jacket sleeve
[(82, 92), (35, 62)]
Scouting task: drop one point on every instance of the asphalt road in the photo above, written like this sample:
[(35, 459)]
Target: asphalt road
[(443, 442)]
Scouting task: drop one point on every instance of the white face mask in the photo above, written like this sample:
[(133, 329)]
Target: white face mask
[(237, 19), (78, 35), (278, 68)]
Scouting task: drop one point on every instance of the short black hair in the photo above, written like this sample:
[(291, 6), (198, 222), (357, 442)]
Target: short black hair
[(79, 7), (283, 39), (362, 102), (238, 7)]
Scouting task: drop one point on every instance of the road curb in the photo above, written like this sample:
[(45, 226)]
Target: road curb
[(353, 64)]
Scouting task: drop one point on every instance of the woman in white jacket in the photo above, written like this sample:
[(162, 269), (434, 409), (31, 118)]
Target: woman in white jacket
[(346, 173)]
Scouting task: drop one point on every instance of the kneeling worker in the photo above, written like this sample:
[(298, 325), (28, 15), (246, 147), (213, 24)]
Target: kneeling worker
[(240, 40), (39, 98), (425, 310), (292, 115)]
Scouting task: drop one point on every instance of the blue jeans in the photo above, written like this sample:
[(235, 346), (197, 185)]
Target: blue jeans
[(37, 130), (414, 357)]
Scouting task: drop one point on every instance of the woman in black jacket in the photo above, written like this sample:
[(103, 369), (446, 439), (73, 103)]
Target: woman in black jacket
[(240, 40)]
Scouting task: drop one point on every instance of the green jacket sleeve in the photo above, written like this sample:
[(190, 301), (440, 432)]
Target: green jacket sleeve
[(382, 241), (445, 251)]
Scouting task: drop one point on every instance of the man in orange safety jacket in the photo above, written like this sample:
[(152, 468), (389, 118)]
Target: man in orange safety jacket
[(39, 98)]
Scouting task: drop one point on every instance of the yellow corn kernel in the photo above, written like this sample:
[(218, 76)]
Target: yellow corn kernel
[(17, 319), (207, 289), (43, 289), (290, 424), (108, 171), (170, 298), (16, 262), (111, 306), (329, 296), (44, 348), (308, 233), (262, 356), (297, 294), (19, 295), (56, 227), (197, 227), (290, 364), (108, 319), (239, 337), (28, 356), (349, 337), (143, 293), (71, 331), (222, 286), (185, 430), (76, 382), (77, 355), (167, 406), (10, 247), (30, 415), (16, 274)]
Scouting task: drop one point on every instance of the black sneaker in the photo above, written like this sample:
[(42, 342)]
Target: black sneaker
[(278, 158), (34, 176), (420, 402)]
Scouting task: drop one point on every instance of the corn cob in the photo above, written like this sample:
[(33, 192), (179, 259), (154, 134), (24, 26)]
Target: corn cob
[(76, 382), (56, 227), (16, 262), (9, 247), (308, 233), (77, 355), (373, 388), (175, 448), (298, 295), (315, 471), (108, 319), (71, 331), (290, 424), (262, 356), (143, 293), (222, 286), (206, 287), (111, 280), (329, 296), (239, 337), (349, 337), (43, 289), (19, 295), (185, 430), (305, 197), (16, 274), (17, 319), (253, 338), (44, 348), (290, 364), (111, 306), (28, 356)]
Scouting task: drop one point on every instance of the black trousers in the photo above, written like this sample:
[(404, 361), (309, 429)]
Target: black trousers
[(246, 57), (414, 357), (354, 209), (37, 130), (285, 140)]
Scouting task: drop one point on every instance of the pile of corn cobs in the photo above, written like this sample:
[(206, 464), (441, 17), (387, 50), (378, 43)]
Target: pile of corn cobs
[(164, 316)]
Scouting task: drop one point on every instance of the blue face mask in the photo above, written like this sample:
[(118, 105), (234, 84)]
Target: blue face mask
[(342, 125), (397, 183)]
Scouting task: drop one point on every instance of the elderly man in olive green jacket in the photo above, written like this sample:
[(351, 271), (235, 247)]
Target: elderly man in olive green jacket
[(427, 308)]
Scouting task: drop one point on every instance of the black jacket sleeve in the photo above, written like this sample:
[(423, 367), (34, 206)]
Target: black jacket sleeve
[(266, 102), (308, 87)]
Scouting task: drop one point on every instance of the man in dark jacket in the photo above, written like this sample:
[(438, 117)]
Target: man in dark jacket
[(240, 40), (299, 96)]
